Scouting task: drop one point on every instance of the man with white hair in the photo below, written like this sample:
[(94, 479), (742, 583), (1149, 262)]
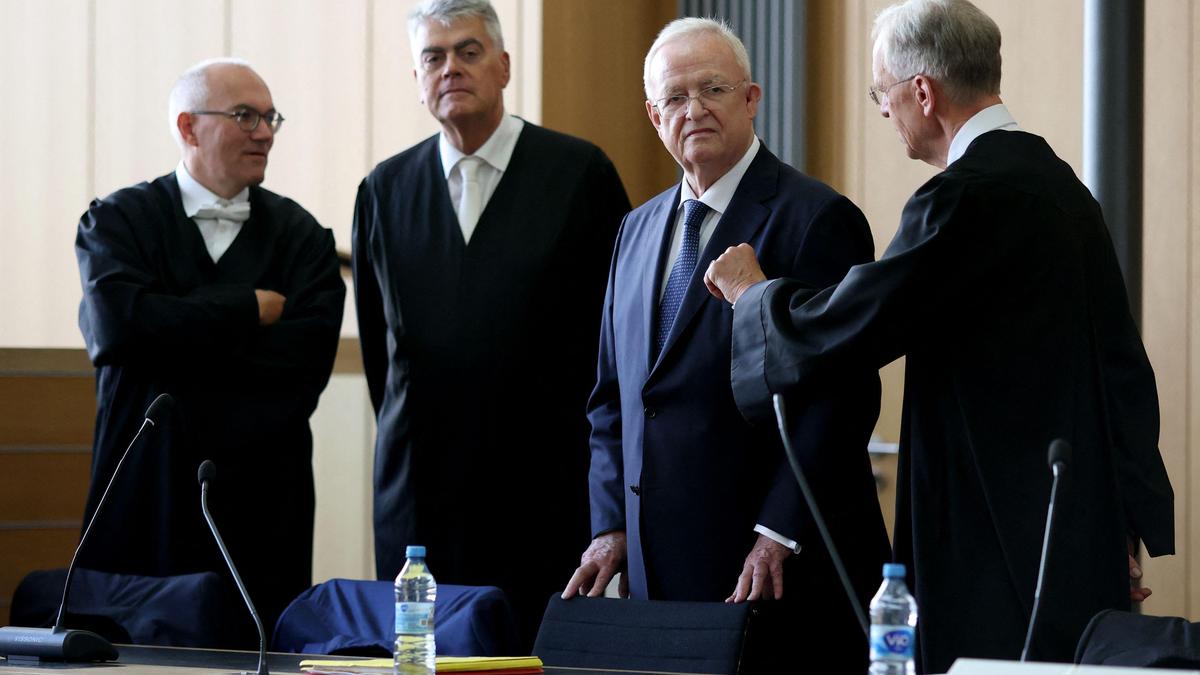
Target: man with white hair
[(1002, 289), (687, 497), (228, 297), (479, 259)]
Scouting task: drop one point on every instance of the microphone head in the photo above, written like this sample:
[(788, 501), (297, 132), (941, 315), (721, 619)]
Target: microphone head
[(206, 472), (160, 408), (1060, 453)]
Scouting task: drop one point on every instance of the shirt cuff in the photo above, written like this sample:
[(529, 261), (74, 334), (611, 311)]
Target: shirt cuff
[(777, 538)]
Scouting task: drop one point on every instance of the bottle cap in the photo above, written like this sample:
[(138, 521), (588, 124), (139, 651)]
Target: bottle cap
[(419, 552), (892, 571)]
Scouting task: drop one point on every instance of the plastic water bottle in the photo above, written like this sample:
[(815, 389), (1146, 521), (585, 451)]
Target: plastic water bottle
[(893, 625), (416, 592)]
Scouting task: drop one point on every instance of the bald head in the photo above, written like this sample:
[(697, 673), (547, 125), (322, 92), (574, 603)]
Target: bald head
[(194, 89)]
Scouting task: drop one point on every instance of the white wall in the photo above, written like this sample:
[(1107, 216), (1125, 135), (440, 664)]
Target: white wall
[(85, 86)]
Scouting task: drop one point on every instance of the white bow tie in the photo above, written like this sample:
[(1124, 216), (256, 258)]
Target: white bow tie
[(238, 213)]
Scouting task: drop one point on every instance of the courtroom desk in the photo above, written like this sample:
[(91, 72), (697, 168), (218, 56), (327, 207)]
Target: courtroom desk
[(145, 660)]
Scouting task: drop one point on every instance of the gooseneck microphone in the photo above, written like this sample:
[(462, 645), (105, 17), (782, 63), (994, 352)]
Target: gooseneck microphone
[(1059, 458), (809, 499), (205, 475), (61, 643)]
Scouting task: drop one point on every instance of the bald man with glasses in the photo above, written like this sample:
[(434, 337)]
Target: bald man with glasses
[(688, 499), (205, 286)]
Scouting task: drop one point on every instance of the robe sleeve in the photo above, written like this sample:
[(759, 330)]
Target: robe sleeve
[(829, 426), (792, 333), (129, 318), (372, 324), (1131, 401), (302, 345)]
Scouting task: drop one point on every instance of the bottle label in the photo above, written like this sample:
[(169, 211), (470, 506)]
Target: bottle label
[(892, 643), (414, 618)]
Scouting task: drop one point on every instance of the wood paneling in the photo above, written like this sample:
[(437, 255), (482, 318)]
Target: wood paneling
[(313, 54), (25, 550), (46, 411), (1169, 309), (592, 80), (45, 166), (158, 41), (41, 485), (45, 463)]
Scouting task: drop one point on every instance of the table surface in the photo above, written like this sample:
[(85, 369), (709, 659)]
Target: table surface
[(144, 660)]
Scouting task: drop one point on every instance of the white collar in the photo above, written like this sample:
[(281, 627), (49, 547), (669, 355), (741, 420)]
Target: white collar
[(990, 118), (719, 194), (195, 196), (496, 151)]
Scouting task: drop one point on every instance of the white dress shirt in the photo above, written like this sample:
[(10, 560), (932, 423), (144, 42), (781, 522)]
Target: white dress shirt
[(716, 198), (218, 233), (494, 155), (990, 118)]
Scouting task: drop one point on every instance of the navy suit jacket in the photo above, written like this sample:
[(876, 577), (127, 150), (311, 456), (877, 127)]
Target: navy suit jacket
[(674, 463)]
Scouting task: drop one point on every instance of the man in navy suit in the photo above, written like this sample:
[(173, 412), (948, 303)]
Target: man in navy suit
[(687, 498)]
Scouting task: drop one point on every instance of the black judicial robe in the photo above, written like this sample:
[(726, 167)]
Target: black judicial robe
[(1002, 289), (159, 316), (480, 358)]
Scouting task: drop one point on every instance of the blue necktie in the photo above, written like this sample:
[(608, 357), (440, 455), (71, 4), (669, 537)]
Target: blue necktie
[(681, 272)]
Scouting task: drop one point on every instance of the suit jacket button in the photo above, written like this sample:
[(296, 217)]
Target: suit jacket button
[(651, 413), (636, 490)]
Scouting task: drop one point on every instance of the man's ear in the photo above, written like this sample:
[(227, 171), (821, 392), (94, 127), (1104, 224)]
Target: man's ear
[(925, 94), (184, 124), (753, 96), (654, 115)]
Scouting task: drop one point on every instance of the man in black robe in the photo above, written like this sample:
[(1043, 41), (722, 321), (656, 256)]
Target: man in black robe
[(1002, 289), (228, 297), (480, 257)]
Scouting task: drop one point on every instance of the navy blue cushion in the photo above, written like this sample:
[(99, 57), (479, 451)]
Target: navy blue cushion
[(1116, 638), (346, 616), (190, 610)]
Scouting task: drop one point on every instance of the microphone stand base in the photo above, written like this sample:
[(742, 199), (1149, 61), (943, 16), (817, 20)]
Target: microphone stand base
[(44, 644)]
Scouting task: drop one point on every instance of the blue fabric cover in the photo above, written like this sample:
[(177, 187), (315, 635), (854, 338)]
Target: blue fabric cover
[(346, 616), (1116, 638), (189, 610)]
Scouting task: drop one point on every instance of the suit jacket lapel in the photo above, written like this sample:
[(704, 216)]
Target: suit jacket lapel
[(661, 221), (744, 217)]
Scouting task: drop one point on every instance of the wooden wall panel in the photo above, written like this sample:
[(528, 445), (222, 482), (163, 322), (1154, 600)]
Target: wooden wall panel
[(313, 55), (1169, 300), (45, 166), (43, 485), (24, 550), (602, 98), (46, 411), (157, 41)]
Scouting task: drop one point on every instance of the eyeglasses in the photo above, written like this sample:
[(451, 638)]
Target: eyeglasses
[(247, 119), (675, 104), (879, 94)]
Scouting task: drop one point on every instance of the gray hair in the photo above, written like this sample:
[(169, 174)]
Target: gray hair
[(447, 12), (191, 91), (951, 41), (693, 26)]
